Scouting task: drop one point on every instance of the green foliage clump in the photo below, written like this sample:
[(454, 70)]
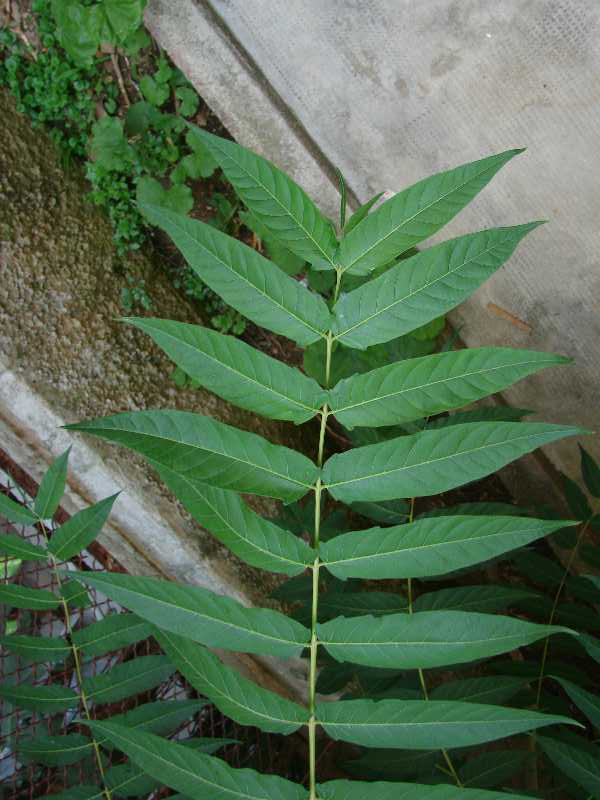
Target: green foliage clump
[(422, 665)]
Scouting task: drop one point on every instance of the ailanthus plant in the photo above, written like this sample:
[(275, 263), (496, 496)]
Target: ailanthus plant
[(371, 297)]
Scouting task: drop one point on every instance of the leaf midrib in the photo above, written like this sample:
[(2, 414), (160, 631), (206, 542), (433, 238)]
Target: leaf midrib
[(124, 681), (421, 288)]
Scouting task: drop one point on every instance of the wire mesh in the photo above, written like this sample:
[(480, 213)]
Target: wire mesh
[(23, 781)]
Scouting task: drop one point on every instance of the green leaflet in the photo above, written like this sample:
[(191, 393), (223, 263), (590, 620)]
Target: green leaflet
[(235, 696), (53, 751), (244, 279), (130, 678), (425, 724), (486, 598), (592, 646), (575, 758), (420, 387), (202, 616), (585, 701), (80, 530), (161, 717), (196, 774), (495, 768), (237, 372), (274, 199), (591, 473), (392, 512), (415, 214), (497, 689), (427, 639), (255, 540), (384, 790), (15, 512), (111, 633), (36, 648), (430, 546), (355, 603), (11, 594), (40, 698), (434, 461), (199, 448), (421, 288), (77, 793), (361, 213), (52, 487), (19, 547)]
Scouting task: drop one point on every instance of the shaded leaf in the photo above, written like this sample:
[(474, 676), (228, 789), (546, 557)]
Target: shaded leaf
[(381, 790), (113, 632), (235, 696), (495, 689), (199, 448), (53, 751), (20, 547), (495, 768), (36, 648), (431, 462), (40, 698), (390, 512), (202, 616), (11, 594), (591, 472), (255, 540), (192, 773), (425, 724), (486, 598), (128, 679), (585, 701), (361, 213), (575, 758), (429, 546), (427, 639), (15, 512)]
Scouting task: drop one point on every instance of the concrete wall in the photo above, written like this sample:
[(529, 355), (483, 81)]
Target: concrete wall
[(392, 90)]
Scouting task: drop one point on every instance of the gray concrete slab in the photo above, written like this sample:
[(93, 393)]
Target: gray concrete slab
[(393, 90)]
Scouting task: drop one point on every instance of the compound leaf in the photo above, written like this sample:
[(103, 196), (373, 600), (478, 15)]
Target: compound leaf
[(428, 638), (415, 214), (420, 387), (434, 461), (430, 546), (255, 540), (235, 696), (423, 287), (203, 616), (199, 448), (274, 199), (235, 371), (245, 280)]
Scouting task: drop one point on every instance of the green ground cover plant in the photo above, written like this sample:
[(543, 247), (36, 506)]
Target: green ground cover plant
[(375, 291)]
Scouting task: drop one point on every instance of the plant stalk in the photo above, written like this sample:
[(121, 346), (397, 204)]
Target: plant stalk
[(76, 663)]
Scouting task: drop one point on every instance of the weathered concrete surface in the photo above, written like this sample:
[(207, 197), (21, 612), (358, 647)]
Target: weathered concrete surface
[(64, 357), (392, 90)]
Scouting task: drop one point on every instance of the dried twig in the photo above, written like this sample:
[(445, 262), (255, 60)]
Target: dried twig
[(115, 63)]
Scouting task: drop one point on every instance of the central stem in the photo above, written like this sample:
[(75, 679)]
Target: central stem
[(314, 643)]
